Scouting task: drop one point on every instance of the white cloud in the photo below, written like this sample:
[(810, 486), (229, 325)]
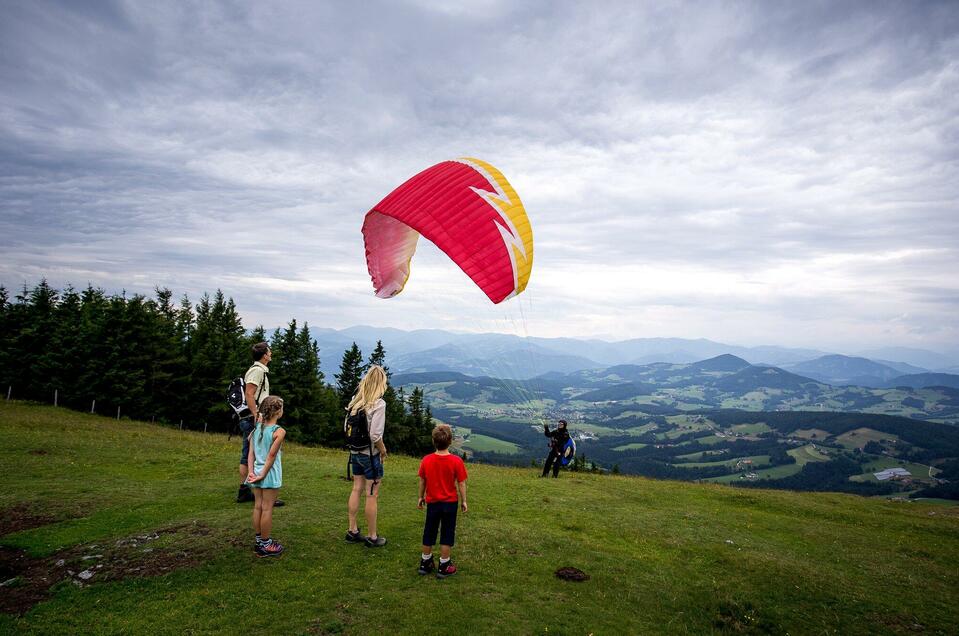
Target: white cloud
[(750, 173)]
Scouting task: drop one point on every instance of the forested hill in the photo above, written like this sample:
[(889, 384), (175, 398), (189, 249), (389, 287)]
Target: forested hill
[(169, 360)]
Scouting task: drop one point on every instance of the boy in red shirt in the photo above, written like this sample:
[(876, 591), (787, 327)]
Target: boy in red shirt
[(442, 482)]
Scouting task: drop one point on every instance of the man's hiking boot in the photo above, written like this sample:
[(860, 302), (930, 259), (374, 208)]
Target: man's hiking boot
[(244, 494), (427, 565), (271, 549), (355, 537), (378, 542), (445, 570)]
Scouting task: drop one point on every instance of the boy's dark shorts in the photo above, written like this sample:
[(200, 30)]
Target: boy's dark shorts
[(440, 515), (246, 427), (369, 467)]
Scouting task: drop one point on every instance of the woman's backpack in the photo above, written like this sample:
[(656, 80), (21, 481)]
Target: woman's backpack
[(357, 430)]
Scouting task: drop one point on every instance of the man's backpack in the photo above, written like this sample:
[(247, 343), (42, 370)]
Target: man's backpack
[(236, 396), (358, 432)]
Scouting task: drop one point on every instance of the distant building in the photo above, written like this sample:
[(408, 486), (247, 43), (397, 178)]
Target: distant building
[(892, 473)]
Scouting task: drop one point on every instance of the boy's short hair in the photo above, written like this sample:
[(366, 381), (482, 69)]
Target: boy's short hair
[(442, 436), (259, 350)]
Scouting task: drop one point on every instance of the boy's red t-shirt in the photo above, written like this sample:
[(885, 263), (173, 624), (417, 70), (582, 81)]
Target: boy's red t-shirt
[(441, 473)]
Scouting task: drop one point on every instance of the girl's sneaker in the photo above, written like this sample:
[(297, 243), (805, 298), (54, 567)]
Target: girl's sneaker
[(445, 570), (378, 542), (427, 565), (271, 549), (355, 537)]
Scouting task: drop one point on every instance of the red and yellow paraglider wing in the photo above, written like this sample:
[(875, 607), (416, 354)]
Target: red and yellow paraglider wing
[(468, 210)]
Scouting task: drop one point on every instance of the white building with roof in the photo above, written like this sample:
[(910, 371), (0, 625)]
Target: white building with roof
[(889, 473)]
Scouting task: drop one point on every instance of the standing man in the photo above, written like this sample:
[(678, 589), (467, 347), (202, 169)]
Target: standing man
[(257, 381), (557, 441)]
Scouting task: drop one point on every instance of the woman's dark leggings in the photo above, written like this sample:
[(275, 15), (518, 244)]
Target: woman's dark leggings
[(552, 461)]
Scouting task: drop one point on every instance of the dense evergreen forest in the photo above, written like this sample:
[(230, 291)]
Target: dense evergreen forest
[(170, 361)]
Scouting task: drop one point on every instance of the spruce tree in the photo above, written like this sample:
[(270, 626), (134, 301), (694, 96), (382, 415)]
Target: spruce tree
[(168, 378), (65, 359), (34, 342), (351, 371), (378, 357)]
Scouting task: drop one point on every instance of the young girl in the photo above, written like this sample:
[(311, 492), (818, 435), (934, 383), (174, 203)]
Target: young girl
[(367, 466), (266, 473)]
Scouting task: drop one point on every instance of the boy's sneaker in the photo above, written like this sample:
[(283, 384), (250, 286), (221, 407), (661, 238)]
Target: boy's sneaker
[(445, 570), (271, 549), (427, 565), (355, 537), (378, 542)]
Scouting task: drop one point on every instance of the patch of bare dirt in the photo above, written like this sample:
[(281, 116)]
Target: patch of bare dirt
[(24, 517), (571, 574), (26, 581)]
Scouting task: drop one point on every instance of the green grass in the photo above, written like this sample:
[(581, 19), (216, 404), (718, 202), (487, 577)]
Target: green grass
[(811, 433), (751, 429), (758, 460), (663, 557), (861, 436), (776, 472), (806, 454), (919, 471), (484, 443), (633, 446)]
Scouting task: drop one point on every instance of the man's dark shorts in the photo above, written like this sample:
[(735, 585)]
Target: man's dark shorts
[(440, 515), (246, 427), (369, 467)]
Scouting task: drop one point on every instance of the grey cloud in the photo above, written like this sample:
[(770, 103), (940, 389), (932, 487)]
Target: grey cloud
[(737, 138)]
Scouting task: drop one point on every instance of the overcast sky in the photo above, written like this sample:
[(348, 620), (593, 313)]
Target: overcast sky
[(754, 173)]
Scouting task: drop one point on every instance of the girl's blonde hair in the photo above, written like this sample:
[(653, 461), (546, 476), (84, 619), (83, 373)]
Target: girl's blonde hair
[(371, 388), (270, 408)]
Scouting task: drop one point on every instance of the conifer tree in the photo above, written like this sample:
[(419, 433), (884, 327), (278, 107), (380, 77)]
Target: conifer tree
[(378, 357), (34, 341), (64, 360), (168, 378), (92, 384), (351, 371)]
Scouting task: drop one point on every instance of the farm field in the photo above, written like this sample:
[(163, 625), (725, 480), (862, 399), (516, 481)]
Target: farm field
[(776, 472), (919, 471), (806, 454), (480, 442), (861, 436)]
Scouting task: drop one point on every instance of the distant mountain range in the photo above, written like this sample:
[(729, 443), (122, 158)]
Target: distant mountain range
[(508, 356), (662, 388)]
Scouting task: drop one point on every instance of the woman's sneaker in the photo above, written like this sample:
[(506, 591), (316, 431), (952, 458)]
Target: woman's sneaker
[(378, 542), (427, 565), (445, 570), (271, 549), (355, 537)]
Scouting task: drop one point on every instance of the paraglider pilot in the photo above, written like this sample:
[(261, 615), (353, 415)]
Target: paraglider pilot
[(557, 441)]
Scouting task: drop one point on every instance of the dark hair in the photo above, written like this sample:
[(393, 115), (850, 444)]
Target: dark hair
[(259, 350), (563, 423), (442, 436)]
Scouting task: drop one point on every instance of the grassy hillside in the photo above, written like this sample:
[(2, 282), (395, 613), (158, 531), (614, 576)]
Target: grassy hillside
[(152, 507)]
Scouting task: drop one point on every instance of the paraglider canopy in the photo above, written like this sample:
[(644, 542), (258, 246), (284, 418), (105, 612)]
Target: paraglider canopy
[(468, 209)]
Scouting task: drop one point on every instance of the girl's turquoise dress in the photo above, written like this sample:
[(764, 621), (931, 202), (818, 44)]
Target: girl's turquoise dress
[(261, 449)]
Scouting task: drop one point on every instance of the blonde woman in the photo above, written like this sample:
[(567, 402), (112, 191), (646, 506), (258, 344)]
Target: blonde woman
[(365, 421)]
